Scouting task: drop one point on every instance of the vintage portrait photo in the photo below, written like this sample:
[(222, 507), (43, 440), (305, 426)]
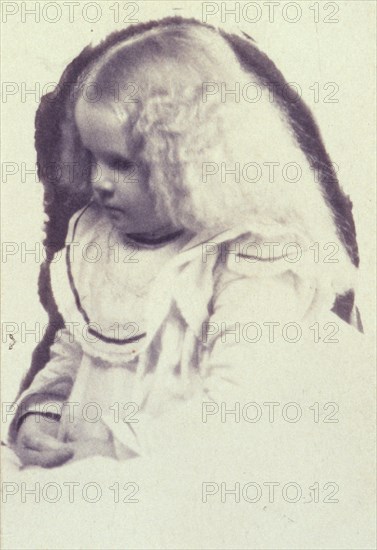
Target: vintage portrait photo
[(188, 275)]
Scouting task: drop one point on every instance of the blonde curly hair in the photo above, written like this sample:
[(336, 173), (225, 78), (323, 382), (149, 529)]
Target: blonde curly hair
[(180, 132)]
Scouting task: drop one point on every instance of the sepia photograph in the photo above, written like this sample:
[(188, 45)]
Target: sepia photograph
[(188, 275)]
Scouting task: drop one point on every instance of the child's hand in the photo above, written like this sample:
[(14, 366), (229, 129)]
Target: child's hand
[(37, 443)]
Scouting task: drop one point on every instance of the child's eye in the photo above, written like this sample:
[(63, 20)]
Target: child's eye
[(119, 163)]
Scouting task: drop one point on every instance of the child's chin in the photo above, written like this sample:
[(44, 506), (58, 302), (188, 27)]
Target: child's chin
[(126, 224), (118, 220), (122, 225), (115, 215)]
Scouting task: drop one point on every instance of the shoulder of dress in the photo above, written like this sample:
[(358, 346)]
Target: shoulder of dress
[(250, 255), (276, 275)]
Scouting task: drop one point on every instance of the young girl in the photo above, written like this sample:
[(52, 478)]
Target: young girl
[(186, 232)]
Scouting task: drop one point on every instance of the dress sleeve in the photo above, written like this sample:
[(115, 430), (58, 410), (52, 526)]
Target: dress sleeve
[(52, 385), (258, 311)]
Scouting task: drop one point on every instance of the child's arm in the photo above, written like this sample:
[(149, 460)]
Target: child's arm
[(52, 385), (34, 428)]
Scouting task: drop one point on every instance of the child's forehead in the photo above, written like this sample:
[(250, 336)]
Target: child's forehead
[(103, 126), (99, 112)]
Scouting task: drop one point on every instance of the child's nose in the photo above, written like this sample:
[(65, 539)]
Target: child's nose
[(103, 185)]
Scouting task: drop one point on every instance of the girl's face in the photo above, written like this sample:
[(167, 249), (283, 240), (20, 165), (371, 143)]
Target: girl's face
[(119, 182)]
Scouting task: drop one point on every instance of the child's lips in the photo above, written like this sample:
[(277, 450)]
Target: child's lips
[(113, 208), (113, 211), (107, 206)]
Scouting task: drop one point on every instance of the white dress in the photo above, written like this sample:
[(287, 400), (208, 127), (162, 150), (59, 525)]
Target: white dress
[(142, 338)]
